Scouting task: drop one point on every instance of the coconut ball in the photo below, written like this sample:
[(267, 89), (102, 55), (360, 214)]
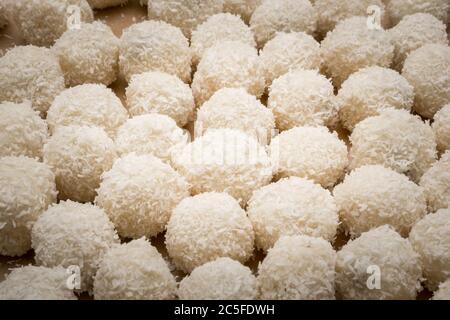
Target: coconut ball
[(224, 160), (370, 90), (288, 51), (443, 293), (30, 73), (395, 139), (228, 64), (352, 46), (36, 283), (309, 152), (441, 128), (154, 46), (302, 98), (184, 14), (89, 54), (139, 193), (221, 279), (430, 238), (428, 70), (90, 105), (22, 131), (243, 8), (397, 9), (101, 4), (78, 155), (282, 15), (234, 108), (73, 234), (208, 226), (292, 206), (298, 268), (157, 92), (27, 188), (134, 271), (41, 22), (3, 15)]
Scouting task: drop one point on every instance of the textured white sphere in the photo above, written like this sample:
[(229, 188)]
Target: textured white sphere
[(243, 8), (443, 293), (441, 128), (101, 4), (397, 9)]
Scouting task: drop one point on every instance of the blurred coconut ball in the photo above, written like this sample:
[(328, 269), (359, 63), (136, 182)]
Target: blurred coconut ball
[(154, 46), (102, 4), (441, 128), (3, 15), (292, 206), (398, 9), (27, 188), (298, 268), (379, 265), (157, 92), (443, 293), (370, 90), (221, 279), (139, 194), (134, 271), (78, 155), (243, 8), (89, 105)]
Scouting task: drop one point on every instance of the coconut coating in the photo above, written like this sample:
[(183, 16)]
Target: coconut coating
[(395, 139), (89, 54), (384, 250), (73, 234), (30, 73), (184, 14), (154, 46), (441, 128), (373, 195), (397, 9), (41, 22), (221, 279), (428, 70), (89, 105), (302, 98), (309, 152), (27, 188), (243, 8), (370, 90), (288, 51), (234, 108), (298, 268), (228, 64), (430, 238), (208, 226), (292, 206), (218, 28), (134, 271), (139, 194), (101, 4), (36, 283), (22, 131), (283, 15), (78, 155), (157, 92), (224, 160), (352, 46), (443, 293)]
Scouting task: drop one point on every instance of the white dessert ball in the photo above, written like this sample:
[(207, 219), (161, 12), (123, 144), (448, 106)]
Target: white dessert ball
[(36, 283), (379, 265), (208, 226), (41, 22), (298, 268), (352, 46), (228, 64), (224, 160), (221, 279), (395, 139), (27, 188), (154, 46), (22, 130), (139, 194), (428, 70), (441, 128), (430, 238), (309, 152), (443, 292), (134, 271), (101, 4), (283, 15), (157, 92), (89, 105), (397, 9), (30, 73), (292, 206), (243, 8), (78, 155), (370, 90)]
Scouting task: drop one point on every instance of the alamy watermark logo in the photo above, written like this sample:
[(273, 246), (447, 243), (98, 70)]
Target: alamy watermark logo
[(374, 17), (73, 17), (73, 281), (374, 280)]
